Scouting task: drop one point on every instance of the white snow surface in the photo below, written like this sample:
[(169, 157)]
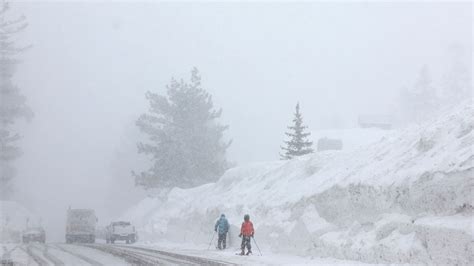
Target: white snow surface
[(229, 255), (406, 198)]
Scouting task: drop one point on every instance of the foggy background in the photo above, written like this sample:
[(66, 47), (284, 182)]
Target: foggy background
[(91, 63)]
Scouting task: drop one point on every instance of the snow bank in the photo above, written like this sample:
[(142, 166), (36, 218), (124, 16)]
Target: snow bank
[(406, 198)]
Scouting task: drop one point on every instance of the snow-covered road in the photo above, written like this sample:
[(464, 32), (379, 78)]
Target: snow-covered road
[(230, 255), (97, 254)]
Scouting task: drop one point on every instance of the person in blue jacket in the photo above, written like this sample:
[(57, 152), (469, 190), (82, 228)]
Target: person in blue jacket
[(222, 227)]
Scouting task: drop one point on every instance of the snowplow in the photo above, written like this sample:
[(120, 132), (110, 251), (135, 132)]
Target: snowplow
[(121, 230), (80, 226)]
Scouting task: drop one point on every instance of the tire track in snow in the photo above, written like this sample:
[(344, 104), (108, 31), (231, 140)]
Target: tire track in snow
[(146, 256), (38, 259), (6, 255), (49, 256), (23, 259), (78, 255), (188, 258), (137, 258)]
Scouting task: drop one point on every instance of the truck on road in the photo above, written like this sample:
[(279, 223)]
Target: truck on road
[(34, 234), (80, 226), (121, 231)]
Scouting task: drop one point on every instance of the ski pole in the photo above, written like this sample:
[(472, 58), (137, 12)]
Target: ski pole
[(213, 235), (257, 246)]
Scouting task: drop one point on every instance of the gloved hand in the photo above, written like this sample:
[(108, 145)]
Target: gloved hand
[(240, 235), (215, 230), (252, 235)]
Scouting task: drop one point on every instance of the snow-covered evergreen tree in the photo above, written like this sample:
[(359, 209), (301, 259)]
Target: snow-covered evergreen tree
[(12, 102), (426, 101), (298, 144), (457, 82), (421, 101), (185, 140)]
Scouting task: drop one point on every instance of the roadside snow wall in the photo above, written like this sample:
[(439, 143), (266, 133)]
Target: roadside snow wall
[(406, 198)]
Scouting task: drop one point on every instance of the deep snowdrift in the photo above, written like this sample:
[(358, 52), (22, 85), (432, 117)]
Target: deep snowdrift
[(404, 198)]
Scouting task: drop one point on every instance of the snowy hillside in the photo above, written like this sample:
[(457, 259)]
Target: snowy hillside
[(404, 198)]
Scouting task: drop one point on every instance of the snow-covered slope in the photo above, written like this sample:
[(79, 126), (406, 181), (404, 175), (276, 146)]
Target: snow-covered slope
[(404, 198)]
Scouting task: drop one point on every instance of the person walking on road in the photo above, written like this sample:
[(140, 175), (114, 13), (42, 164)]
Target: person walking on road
[(222, 227), (246, 232)]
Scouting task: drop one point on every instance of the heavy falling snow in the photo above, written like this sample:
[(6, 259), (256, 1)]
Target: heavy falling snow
[(406, 198), (236, 133)]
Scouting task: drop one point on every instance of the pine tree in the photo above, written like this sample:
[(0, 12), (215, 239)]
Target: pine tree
[(427, 101), (457, 82), (185, 140), (298, 144), (420, 103), (12, 102)]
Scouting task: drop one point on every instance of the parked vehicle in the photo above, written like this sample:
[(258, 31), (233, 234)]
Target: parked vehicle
[(34, 234), (121, 231), (80, 226), (6, 262)]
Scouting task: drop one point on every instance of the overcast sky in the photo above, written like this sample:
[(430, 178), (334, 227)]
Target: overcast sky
[(91, 64)]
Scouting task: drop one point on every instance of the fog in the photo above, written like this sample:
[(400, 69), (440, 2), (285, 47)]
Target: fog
[(90, 65)]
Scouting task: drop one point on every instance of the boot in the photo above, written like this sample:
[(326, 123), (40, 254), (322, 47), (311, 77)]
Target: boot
[(249, 252), (242, 253)]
